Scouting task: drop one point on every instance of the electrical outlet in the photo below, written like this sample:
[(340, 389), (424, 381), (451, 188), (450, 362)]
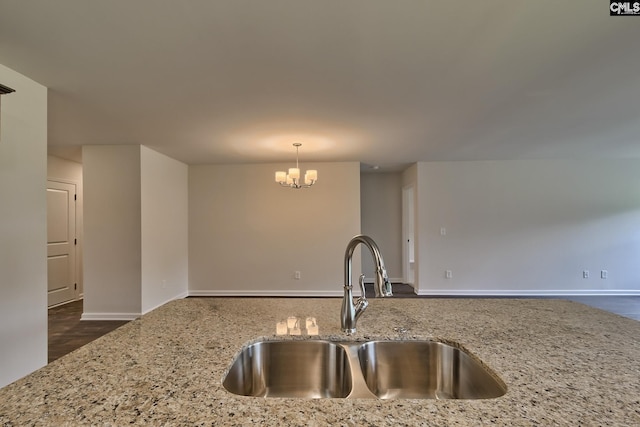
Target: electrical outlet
[(448, 274), (585, 274), (604, 274), (443, 231), (296, 275)]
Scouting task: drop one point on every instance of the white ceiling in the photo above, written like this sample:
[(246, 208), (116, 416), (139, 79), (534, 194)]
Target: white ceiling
[(384, 82)]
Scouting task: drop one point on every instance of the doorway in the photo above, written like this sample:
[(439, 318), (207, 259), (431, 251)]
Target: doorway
[(61, 242), (408, 234)]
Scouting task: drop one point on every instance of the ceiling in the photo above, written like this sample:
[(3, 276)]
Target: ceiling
[(382, 82)]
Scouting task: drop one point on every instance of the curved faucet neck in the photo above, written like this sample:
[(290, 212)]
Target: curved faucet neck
[(383, 285), (348, 254), (350, 311)]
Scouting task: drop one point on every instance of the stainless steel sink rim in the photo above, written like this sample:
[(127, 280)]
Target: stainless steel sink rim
[(361, 369)]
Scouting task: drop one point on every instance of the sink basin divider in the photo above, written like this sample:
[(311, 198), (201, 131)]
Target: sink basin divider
[(359, 389)]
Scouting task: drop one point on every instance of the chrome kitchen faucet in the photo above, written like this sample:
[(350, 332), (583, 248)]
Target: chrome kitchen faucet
[(351, 311)]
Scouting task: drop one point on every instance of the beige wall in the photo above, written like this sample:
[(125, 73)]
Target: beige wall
[(381, 212), (71, 172), (164, 229), (529, 227), (23, 210), (247, 235), (112, 245)]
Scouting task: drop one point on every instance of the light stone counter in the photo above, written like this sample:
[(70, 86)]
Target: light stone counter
[(564, 364)]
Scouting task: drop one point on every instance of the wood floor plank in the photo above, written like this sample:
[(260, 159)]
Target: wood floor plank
[(68, 333)]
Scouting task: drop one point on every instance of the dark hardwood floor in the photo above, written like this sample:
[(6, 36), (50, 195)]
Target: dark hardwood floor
[(67, 332), (624, 306)]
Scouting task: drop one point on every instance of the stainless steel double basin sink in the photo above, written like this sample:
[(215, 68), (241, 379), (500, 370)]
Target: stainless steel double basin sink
[(371, 369)]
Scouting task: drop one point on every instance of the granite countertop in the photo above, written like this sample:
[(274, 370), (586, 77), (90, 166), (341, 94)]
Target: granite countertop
[(564, 364)]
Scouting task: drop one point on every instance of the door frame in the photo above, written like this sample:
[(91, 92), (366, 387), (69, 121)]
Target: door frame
[(408, 234), (77, 292)]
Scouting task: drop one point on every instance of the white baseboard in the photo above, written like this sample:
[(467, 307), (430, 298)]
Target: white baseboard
[(63, 303), (527, 293), (265, 293), (110, 316), (128, 316), (182, 295)]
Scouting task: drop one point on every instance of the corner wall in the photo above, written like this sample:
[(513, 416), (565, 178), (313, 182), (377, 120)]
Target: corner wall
[(23, 219), (135, 231), (112, 232), (248, 235), (164, 230), (529, 227)]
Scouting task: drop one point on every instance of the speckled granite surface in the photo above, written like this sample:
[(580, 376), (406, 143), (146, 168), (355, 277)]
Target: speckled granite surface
[(564, 364)]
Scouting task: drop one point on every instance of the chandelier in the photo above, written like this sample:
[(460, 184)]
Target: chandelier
[(292, 179)]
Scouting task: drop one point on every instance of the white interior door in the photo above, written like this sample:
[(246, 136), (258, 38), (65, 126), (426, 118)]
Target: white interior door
[(61, 240), (408, 235)]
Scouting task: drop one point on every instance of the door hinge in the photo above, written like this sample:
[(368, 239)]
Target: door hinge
[(75, 197), (75, 241), (75, 286)]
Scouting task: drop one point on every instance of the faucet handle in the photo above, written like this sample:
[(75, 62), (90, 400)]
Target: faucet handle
[(362, 288), (362, 303)]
